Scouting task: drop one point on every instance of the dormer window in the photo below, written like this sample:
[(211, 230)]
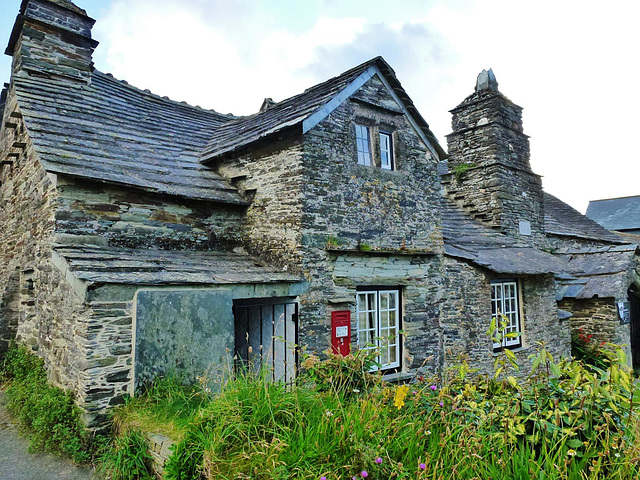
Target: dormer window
[(363, 140), (386, 151)]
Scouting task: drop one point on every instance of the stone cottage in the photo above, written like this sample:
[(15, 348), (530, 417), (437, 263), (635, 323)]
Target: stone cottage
[(142, 236)]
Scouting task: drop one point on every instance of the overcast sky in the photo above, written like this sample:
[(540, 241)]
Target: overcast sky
[(572, 65)]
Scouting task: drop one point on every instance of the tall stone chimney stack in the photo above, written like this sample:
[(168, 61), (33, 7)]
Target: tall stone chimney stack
[(489, 174), (52, 38)]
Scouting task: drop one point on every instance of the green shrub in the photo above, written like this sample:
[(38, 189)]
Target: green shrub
[(344, 375), (49, 413)]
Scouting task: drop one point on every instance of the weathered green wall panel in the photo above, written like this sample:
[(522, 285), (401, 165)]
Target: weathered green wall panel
[(187, 332)]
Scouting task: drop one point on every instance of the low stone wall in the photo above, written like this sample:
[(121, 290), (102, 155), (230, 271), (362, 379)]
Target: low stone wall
[(160, 451)]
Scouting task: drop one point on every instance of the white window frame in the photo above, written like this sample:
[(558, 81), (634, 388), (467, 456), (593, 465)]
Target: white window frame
[(379, 327), (363, 142), (505, 300), (386, 150)]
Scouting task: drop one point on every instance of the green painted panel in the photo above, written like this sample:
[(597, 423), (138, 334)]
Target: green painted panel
[(186, 332)]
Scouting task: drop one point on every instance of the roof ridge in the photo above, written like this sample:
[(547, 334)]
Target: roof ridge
[(614, 198), (162, 98)]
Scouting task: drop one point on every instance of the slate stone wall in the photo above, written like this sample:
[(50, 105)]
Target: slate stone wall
[(598, 317), (117, 216), (360, 205), (58, 42), (489, 171), (541, 321), (466, 315), (363, 226), (418, 279), (272, 176), (557, 242), (38, 305)]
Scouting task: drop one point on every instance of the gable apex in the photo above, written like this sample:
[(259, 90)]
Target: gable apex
[(302, 112)]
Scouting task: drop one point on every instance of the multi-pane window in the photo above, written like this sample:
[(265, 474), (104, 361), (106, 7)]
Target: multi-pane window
[(505, 306), (386, 151), (363, 141), (378, 313)]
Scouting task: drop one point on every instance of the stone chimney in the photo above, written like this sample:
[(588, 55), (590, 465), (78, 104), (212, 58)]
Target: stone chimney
[(489, 174), (52, 38)]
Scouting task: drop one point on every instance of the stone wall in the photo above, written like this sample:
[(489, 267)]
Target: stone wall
[(39, 305), (418, 279), (54, 40), (489, 171), (468, 295), (358, 205), (271, 175), (117, 216), (363, 226), (185, 332), (598, 317)]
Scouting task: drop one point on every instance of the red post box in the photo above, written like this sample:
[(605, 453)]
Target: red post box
[(341, 332)]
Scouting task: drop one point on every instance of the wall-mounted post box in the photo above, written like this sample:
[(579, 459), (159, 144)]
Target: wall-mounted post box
[(341, 332)]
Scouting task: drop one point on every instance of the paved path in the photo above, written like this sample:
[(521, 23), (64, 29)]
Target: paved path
[(17, 464)]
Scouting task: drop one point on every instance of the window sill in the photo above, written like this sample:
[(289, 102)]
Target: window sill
[(514, 350), (398, 377)]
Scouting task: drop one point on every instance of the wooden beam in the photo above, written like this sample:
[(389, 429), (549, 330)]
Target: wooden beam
[(10, 125), (19, 144), (15, 115), (6, 162)]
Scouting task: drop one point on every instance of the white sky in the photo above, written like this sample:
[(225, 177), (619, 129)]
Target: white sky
[(572, 65)]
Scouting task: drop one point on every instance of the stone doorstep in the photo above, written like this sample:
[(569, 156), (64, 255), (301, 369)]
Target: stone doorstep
[(160, 451)]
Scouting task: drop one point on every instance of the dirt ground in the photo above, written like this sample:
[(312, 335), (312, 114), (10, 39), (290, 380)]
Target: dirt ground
[(16, 463)]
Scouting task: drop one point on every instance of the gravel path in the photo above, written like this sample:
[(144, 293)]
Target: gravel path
[(16, 463)]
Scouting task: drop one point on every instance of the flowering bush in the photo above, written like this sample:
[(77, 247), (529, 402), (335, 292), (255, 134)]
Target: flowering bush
[(584, 348)]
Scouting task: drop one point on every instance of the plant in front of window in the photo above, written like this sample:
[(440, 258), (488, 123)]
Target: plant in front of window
[(345, 375), (505, 358)]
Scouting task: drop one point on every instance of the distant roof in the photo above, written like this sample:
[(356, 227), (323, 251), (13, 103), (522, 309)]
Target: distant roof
[(112, 132), (466, 239), (616, 213), (164, 267), (292, 112), (561, 219)]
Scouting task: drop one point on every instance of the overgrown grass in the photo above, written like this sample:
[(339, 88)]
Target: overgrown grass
[(48, 413), (167, 407), (126, 457), (568, 421)]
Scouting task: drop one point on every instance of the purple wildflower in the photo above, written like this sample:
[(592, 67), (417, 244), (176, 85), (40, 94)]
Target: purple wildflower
[(434, 388), (422, 466), (364, 474), (323, 478), (378, 460), (441, 404)]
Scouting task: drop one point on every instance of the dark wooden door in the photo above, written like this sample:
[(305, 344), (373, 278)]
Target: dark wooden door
[(634, 311)]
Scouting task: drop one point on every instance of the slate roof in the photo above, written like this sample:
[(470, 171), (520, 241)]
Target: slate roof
[(290, 113), (112, 132), (165, 267), (561, 219), (596, 271), (616, 213), (466, 239)]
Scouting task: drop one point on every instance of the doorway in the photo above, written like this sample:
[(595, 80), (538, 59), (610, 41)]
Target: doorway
[(634, 321)]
